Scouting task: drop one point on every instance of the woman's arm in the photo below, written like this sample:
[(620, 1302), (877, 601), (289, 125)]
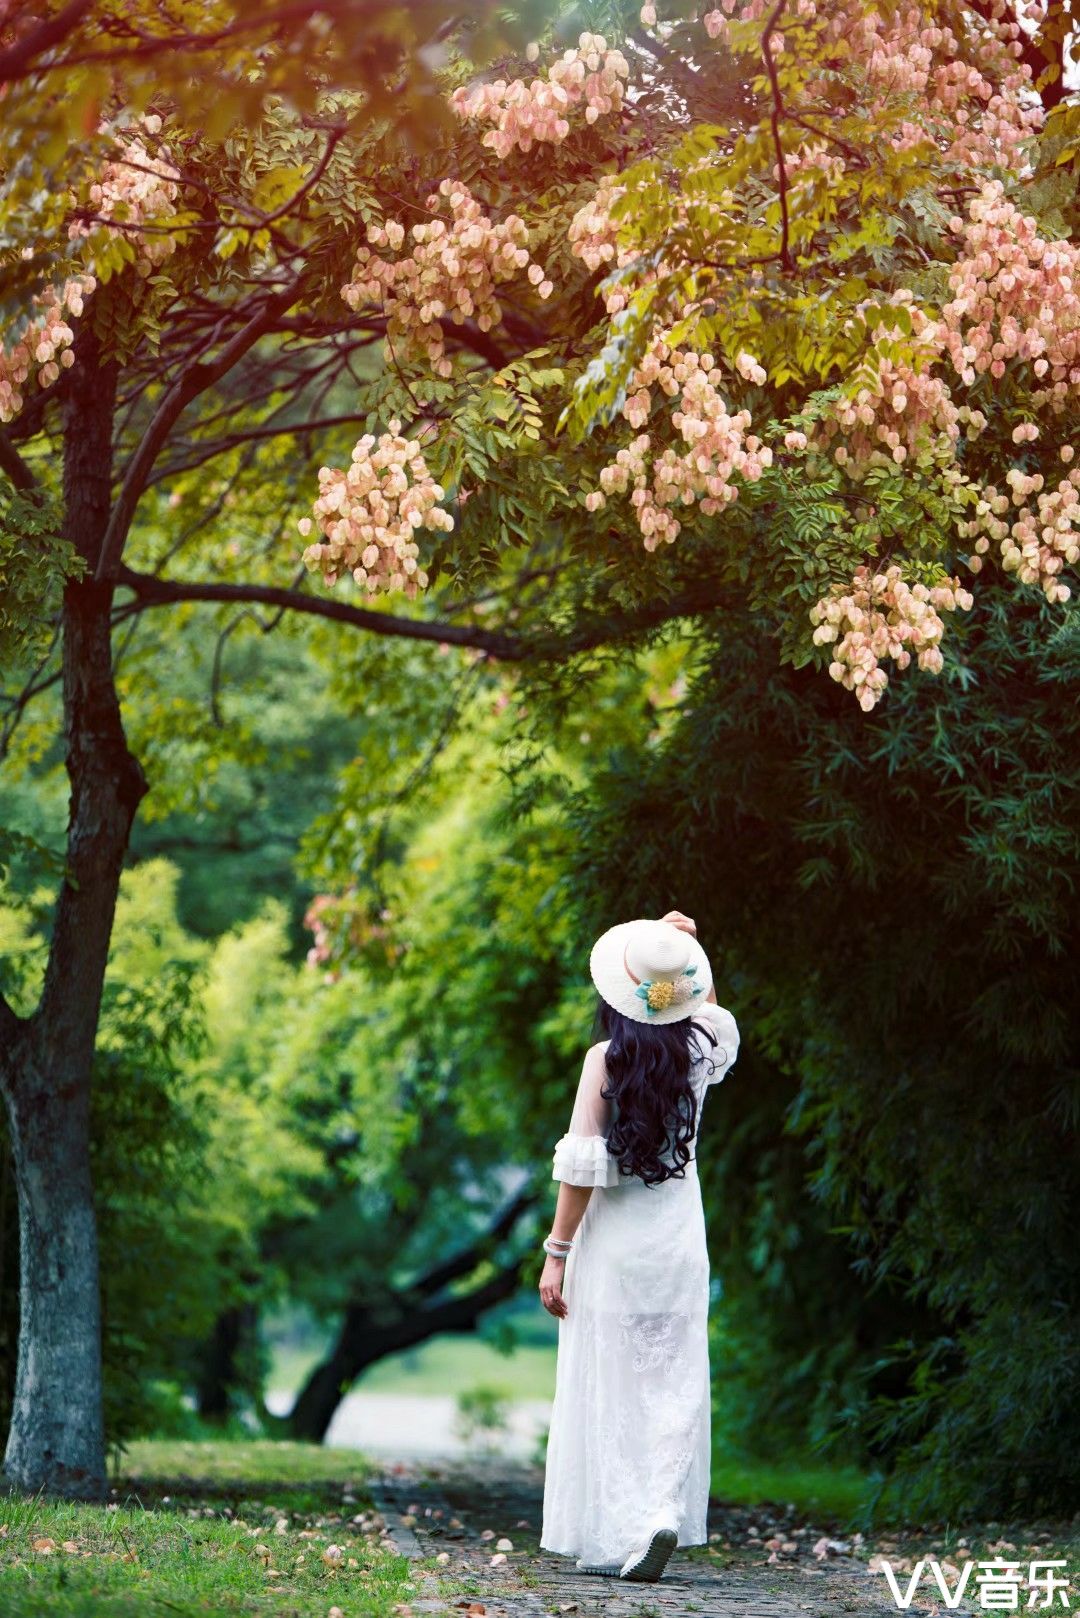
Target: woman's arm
[(687, 924), (569, 1212)]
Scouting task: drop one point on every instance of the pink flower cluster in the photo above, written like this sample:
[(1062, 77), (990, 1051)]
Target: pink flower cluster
[(527, 114), (139, 192), (1041, 537), (894, 414), (716, 21), (593, 234), (1015, 296), (718, 445), (451, 274), (969, 92), (882, 616), (369, 515), (44, 343)]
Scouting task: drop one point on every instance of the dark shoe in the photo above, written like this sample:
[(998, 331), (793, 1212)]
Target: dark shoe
[(646, 1564)]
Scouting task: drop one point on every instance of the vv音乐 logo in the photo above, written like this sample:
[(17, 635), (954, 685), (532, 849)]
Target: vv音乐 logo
[(999, 1585)]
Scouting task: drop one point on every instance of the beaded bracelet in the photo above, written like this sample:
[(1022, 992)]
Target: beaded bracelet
[(556, 1246)]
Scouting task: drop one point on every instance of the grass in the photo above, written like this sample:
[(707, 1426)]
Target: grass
[(444, 1365), (833, 1491), (230, 1464), (220, 1530)]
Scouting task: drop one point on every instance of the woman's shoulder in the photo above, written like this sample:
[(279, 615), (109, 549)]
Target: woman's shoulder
[(718, 1020), (709, 1011)]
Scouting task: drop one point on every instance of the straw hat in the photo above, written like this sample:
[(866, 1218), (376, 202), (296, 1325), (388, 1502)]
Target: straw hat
[(651, 971)]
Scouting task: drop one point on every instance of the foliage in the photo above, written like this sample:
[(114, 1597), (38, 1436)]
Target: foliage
[(888, 905), (759, 326)]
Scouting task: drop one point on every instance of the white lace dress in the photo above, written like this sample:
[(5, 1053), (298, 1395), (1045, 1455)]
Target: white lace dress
[(629, 1442)]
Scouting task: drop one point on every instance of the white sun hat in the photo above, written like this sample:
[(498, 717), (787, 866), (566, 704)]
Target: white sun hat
[(651, 971)]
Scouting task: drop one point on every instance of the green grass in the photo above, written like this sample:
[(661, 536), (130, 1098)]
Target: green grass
[(833, 1491), (228, 1464), (220, 1530), (444, 1365)]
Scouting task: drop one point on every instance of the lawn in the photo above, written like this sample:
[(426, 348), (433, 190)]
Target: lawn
[(833, 1491), (442, 1365), (213, 1529)]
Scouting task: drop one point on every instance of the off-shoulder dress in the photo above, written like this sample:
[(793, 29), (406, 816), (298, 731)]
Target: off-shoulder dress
[(629, 1440)]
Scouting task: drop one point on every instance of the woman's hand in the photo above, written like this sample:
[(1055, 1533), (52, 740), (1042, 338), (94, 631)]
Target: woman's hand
[(685, 924), (551, 1281)]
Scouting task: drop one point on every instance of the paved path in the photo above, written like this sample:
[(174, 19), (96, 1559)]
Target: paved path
[(460, 1511)]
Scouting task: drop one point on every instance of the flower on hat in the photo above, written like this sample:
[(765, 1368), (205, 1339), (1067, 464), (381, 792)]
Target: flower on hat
[(660, 993)]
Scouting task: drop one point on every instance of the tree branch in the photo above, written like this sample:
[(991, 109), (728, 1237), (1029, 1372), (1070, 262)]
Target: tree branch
[(18, 59), (12, 463), (466, 1261), (774, 120), (151, 591), (193, 381), (222, 446), (588, 634)]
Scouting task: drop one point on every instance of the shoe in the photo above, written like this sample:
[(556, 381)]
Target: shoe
[(597, 1567), (646, 1564)]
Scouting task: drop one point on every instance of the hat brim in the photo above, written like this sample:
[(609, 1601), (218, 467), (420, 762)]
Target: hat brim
[(614, 984)]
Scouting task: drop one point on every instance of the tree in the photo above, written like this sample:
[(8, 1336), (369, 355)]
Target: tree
[(887, 901), (232, 250)]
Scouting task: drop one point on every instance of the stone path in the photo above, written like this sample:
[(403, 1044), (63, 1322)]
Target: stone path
[(459, 1512)]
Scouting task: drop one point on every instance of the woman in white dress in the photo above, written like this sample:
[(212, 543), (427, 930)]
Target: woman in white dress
[(627, 1273)]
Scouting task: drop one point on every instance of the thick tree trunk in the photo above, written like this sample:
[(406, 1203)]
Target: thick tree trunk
[(221, 1372), (56, 1441)]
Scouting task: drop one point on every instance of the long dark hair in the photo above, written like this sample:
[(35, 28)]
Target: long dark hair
[(655, 1108)]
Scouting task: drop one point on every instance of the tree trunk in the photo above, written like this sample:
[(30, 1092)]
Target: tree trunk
[(221, 1374), (56, 1441)]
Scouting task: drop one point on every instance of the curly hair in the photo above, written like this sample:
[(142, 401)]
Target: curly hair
[(648, 1067)]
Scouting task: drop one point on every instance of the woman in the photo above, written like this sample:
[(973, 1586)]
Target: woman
[(627, 1274)]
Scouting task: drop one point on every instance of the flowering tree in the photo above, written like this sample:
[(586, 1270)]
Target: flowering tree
[(830, 370)]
